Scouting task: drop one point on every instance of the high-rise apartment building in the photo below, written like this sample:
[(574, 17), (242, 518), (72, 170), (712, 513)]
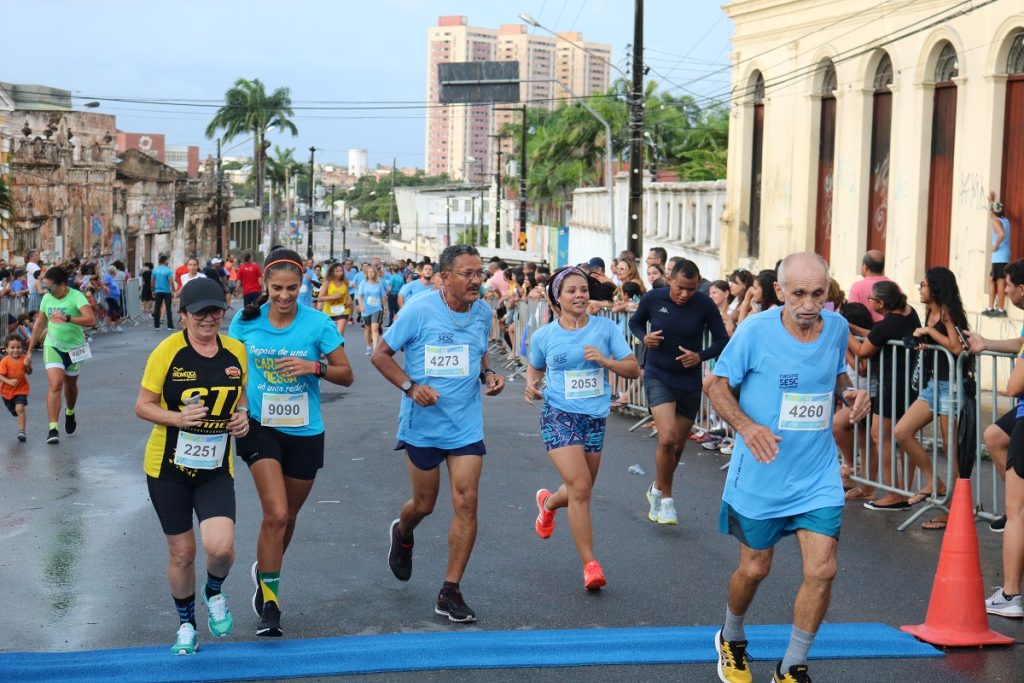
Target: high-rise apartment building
[(459, 138)]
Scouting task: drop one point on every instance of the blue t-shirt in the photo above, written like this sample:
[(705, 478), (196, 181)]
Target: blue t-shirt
[(306, 288), (311, 334), (354, 276), (456, 350), (1002, 254), (162, 277), (411, 289), (559, 350), (371, 294), (395, 282), (18, 286), (113, 291), (787, 386)]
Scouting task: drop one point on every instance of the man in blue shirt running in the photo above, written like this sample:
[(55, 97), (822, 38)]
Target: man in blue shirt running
[(443, 337), (789, 364)]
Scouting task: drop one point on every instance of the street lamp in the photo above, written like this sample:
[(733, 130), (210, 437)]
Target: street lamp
[(332, 186)]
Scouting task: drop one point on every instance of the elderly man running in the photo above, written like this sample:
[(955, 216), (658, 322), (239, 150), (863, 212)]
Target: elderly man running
[(784, 477)]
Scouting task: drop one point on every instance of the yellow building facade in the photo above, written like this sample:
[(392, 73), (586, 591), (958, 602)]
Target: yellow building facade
[(861, 124)]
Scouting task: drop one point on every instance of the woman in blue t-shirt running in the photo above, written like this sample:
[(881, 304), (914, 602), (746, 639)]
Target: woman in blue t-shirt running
[(574, 353)]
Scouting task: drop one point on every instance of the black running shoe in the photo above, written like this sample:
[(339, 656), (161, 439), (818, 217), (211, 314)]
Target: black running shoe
[(70, 424), (400, 554), (998, 525), (257, 597), (452, 605), (270, 621), (796, 674), (21, 437), (53, 436)]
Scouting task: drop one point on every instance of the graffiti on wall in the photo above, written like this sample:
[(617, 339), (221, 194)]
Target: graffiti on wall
[(97, 225), (159, 218), (117, 250)]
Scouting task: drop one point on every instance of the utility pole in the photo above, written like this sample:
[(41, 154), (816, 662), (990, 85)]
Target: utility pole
[(220, 218), (309, 226), (332, 221), (391, 197), (497, 193), (635, 238), (448, 221), (522, 183)]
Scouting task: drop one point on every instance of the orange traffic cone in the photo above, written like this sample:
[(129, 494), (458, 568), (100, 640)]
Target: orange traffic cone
[(956, 613)]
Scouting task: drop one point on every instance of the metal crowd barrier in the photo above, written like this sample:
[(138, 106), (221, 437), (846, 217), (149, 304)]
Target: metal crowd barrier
[(11, 307), (988, 485), (131, 305)]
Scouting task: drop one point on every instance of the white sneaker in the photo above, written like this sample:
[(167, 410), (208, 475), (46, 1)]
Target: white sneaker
[(667, 512), (655, 501), (369, 350), (1000, 606)]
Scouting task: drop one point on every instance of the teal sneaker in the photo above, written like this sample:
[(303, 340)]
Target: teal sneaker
[(188, 641), (220, 621)]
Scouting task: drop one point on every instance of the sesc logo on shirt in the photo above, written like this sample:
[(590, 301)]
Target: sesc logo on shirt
[(561, 358), (789, 381), (446, 338)]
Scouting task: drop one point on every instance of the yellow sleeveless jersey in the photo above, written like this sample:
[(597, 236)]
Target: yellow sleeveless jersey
[(176, 371)]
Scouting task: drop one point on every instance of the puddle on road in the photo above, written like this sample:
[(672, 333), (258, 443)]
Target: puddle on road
[(59, 564)]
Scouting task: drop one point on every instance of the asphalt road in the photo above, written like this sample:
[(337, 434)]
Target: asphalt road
[(82, 557)]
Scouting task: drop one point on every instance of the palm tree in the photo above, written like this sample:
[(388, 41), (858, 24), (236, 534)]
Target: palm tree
[(248, 109), (281, 167)]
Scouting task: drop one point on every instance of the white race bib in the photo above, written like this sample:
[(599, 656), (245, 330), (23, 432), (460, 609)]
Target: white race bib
[(584, 383), (80, 353), (338, 310), (805, 412), (200, 451), (372, 301), (303, 288), (285, 410), (446, 361)]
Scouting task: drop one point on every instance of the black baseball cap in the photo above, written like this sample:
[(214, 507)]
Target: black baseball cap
[(202, 293), (597, 263)]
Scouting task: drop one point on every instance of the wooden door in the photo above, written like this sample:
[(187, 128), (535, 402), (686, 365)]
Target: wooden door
[(755, 182), (878, 198), (940, 176), (826, 166), (1011, 194)]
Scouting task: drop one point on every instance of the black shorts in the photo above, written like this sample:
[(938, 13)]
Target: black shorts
[(998, 271), (300, 456), (174, 501), (19, 400), (1007, 420), (1015, 456), (428, 458), (248, 299), (113, 307), (373, 318), (687, 402)]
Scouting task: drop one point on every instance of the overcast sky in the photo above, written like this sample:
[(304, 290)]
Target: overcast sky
[(339, 51)]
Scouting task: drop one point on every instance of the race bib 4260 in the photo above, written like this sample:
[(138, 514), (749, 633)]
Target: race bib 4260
[(805, 412)]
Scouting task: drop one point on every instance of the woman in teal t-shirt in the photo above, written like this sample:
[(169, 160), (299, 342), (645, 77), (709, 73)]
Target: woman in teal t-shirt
[(65, 315)]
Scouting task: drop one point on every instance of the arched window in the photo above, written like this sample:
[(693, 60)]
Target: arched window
[(828, 81), (881, 127), (757, 144), (826, 161), (883, 74), (948, 66), (1015, 61), (759, 88)]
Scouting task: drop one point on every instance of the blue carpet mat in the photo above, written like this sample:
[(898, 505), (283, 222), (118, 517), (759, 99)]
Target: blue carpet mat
[(446, 650)]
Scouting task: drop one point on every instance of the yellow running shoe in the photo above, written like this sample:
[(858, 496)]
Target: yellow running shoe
[(733, 665)]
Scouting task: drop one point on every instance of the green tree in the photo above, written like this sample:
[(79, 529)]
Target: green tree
[(249, 110), (6, 203), (282, 166)]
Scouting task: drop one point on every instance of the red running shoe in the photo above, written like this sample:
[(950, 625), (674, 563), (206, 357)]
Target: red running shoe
[(545, 524), (593, 577)]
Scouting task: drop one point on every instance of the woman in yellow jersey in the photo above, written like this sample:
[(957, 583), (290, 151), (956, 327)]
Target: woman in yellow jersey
[(334, 297), (193, 391)]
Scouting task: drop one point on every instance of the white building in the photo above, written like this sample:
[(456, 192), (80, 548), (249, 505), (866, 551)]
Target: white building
[(682, 218), (357, 162), (431, 218), (861, 125)]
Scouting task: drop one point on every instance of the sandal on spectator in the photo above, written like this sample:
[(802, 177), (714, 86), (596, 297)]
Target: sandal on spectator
[(857, 493), (934, 525)]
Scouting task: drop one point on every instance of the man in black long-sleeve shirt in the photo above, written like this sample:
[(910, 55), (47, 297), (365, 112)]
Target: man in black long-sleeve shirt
[(678, 315)]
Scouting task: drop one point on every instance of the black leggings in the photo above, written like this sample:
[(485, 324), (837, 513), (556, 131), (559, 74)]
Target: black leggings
[(162, 299)]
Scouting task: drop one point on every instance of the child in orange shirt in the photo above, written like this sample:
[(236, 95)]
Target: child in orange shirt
[(13, 381)]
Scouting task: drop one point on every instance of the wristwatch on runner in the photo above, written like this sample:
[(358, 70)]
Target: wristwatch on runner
[(484, 373), (321, 370), (406, 386)]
